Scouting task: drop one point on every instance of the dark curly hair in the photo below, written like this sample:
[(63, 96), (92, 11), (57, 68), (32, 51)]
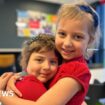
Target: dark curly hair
[(42, 42)]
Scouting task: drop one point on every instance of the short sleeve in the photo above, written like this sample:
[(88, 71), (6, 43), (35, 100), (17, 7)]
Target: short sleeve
[(78, 71), (31, 88)]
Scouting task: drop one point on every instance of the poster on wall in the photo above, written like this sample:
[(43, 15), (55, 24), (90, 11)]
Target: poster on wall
[(31, 23)]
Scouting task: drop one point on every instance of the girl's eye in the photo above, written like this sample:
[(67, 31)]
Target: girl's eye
[(78, 37), (62, 34), (53, 62), (39, 60)]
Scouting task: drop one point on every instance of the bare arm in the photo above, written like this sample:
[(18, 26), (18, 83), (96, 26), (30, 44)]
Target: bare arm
[(15, 101), (84, 103), (59, 94)]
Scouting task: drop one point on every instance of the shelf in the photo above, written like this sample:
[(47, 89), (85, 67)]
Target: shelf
[(9, 50)]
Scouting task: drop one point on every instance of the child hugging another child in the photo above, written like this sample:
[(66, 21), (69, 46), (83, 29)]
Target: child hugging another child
[(39, 60), (75, 39)]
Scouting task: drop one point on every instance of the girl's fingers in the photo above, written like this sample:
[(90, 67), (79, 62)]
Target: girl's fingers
[(11, 84), (3, 75), (6, 75), (4, 80), (17, 76), (16, 91)]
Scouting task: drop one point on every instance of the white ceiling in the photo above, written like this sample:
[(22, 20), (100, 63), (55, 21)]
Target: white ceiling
[(66, 1)]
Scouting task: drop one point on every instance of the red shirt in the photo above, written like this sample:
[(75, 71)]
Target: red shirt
[(30, 87), (78, 70)]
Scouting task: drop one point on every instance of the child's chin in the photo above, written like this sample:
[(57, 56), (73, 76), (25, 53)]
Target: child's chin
[(43, 80)]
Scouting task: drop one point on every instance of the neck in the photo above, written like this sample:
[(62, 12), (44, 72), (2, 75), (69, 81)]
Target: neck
[(64, 61)]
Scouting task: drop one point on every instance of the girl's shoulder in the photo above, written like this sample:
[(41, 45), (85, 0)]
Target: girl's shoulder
[(75, 68), (75, 64)]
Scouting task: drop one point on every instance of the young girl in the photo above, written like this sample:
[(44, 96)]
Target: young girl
[(76, 37), (40, 62)]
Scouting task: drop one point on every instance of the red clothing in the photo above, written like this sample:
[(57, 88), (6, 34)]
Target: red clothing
[(30, 87), (77, 69)]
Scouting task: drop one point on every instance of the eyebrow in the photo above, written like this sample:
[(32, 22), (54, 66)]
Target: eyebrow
[(39, 56), (79, 32)]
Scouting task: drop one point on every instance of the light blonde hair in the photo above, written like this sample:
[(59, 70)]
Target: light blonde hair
[(41, 43), (73, 11)]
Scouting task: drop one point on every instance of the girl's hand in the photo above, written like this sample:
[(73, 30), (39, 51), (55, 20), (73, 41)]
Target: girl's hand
[(4, 79), (11, 84)]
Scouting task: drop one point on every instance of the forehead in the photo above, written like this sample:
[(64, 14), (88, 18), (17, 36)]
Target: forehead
[(73, 25), (45, 49), (73, 12), (48, 54)]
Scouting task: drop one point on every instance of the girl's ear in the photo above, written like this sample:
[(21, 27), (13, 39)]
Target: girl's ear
[(91, 43), (91, 40)]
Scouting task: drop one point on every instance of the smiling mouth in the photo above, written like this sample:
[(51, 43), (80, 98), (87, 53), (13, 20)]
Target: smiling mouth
[(44, 74), (67, 51)]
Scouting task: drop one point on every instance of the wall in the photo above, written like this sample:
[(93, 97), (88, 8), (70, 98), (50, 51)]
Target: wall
[(8, 35)]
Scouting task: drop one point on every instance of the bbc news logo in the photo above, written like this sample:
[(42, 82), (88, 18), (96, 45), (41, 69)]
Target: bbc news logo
[(6, 93)]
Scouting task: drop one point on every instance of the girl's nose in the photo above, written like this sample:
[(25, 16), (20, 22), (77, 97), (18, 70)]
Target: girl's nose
[(67, 42), (46, 65)]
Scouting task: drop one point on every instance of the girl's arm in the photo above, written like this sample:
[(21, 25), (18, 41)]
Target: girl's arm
[(6, 100), (59, 94), (84, 103)]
